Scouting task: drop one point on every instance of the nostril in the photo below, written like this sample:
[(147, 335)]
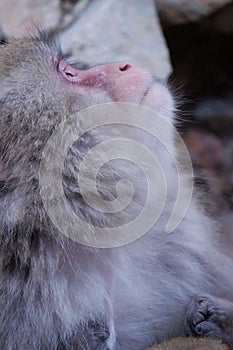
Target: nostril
[(125, 67), (68, 74)]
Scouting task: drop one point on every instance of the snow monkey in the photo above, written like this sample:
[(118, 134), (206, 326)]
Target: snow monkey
[(58, 293)]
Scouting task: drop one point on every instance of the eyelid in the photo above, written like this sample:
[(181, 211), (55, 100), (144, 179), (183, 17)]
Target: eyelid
[(56, 61)]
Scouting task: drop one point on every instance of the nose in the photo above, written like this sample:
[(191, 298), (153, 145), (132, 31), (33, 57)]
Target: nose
[(113, 70), (117, 67), (124, 67)]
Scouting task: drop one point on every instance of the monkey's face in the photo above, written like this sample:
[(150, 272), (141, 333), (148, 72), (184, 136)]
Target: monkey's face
[(35, 77)]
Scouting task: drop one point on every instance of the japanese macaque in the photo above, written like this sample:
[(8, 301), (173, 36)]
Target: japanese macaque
[(57, 293)]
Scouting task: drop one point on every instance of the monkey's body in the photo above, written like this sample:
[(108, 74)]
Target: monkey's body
[(149, 300), (56, 294)]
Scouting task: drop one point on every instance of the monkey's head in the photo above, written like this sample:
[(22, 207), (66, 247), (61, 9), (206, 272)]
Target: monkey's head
[(38, 89), (33, 70)]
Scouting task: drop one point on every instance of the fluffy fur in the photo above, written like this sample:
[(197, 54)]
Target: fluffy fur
[(55, 293)]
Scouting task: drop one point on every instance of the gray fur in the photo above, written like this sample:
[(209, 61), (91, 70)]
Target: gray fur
[(56, 294)]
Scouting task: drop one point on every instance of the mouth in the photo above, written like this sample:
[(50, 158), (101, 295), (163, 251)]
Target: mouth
[(146, 92), (157, 97)]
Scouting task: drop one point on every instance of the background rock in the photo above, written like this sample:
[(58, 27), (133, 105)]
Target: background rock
[(20, 16), (183, 11), (223, 20), (72, 10), (111, 30)]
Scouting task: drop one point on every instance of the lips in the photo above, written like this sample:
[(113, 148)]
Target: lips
[(147, 91), (158, 98)]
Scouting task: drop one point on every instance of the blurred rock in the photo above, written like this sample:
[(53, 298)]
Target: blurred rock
[(2, 36), (215, 108), (223, 20), (182, 11), (72, 9), (204, 148), (212, 157), (20, 16), (112, 30)]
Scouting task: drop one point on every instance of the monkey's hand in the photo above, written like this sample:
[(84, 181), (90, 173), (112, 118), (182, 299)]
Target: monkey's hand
[(208, 316)]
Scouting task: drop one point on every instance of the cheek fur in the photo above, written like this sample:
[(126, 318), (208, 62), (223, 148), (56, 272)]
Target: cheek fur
[(159, 99)]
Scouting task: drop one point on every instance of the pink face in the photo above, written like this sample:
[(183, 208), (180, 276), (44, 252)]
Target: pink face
[(123, 83)]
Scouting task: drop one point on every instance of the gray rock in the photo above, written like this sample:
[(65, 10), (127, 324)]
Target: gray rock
[(113, 30), (223, 20), (182, 11), (72, 10), (20, 16)]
